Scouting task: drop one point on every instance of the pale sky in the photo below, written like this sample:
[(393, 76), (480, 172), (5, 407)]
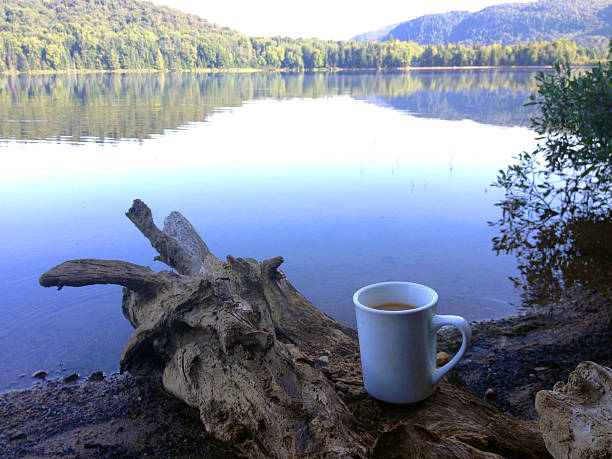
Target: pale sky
[(326, 19)]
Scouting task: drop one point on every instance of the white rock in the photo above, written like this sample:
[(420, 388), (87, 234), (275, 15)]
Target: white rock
[(576, 417)]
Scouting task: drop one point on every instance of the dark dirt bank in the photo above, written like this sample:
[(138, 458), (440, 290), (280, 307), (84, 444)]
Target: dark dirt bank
[(121, 416), (511, 359)]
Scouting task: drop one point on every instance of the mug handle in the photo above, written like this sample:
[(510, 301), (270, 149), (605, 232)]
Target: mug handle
[(466, 333)]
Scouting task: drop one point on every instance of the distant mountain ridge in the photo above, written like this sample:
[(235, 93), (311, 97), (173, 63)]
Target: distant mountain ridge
[(587, 22)]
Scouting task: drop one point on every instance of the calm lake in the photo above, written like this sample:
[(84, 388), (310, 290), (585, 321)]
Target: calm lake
[(352, 178)]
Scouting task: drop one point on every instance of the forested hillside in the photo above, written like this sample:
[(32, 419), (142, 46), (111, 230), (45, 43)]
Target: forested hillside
[(431, 29), (588, 22), (66, 35), (112, 34)]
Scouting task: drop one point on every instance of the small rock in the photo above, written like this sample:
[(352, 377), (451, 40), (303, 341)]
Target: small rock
[(340, 386), (17, 435), (490, 393), (356, 397), (540, 368), (442, 358), (96, 376), (22, 375), (94, 446), (71, 378), (324, 358), (40, 374)]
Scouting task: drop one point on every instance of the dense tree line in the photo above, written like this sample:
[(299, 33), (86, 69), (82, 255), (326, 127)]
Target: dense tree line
[(44, 35), (537, 53)]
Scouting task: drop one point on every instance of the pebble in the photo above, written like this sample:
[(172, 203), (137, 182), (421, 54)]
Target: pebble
[(40, 374), (71, 378), (490, 392), (324, 358), (17, 435), (96, 376), (94, 446), (540, 368), (340, 386), (442, 358)]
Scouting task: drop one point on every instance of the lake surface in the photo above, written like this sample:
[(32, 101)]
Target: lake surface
[(352, 178)]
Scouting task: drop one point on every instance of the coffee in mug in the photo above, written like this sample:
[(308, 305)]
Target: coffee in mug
[(393, 306), (397, 325)]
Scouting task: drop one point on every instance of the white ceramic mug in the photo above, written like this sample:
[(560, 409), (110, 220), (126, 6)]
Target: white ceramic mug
[(398, 348)]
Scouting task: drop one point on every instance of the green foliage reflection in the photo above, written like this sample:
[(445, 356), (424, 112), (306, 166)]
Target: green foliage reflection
[(557, 210), (102, 107)]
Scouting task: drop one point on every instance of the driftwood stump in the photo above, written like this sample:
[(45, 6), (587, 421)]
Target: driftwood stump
[(269, 372), (576, 417)]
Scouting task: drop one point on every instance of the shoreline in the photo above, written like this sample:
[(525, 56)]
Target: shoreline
[(509, 361), (26, 381), (288, 71), (590, 308)]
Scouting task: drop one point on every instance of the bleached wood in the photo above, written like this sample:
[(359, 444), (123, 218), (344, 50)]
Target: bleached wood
[(237, 341)]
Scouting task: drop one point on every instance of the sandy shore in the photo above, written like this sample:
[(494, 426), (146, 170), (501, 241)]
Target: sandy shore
[(122, 416)]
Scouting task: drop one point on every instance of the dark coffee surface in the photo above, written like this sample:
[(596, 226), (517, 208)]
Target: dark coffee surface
[(393, 306)]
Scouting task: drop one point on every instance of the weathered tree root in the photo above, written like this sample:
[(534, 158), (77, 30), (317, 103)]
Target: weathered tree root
[(237, 341)]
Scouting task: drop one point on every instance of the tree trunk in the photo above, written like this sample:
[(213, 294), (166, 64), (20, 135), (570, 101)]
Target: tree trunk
[(269, 372)]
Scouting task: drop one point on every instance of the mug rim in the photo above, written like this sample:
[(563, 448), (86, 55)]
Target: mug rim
[(357, 304)]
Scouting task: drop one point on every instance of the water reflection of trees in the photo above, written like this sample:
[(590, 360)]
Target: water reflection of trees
[(99, 107), (557, 209), (496, 98), (560, 230), (501, 107)]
